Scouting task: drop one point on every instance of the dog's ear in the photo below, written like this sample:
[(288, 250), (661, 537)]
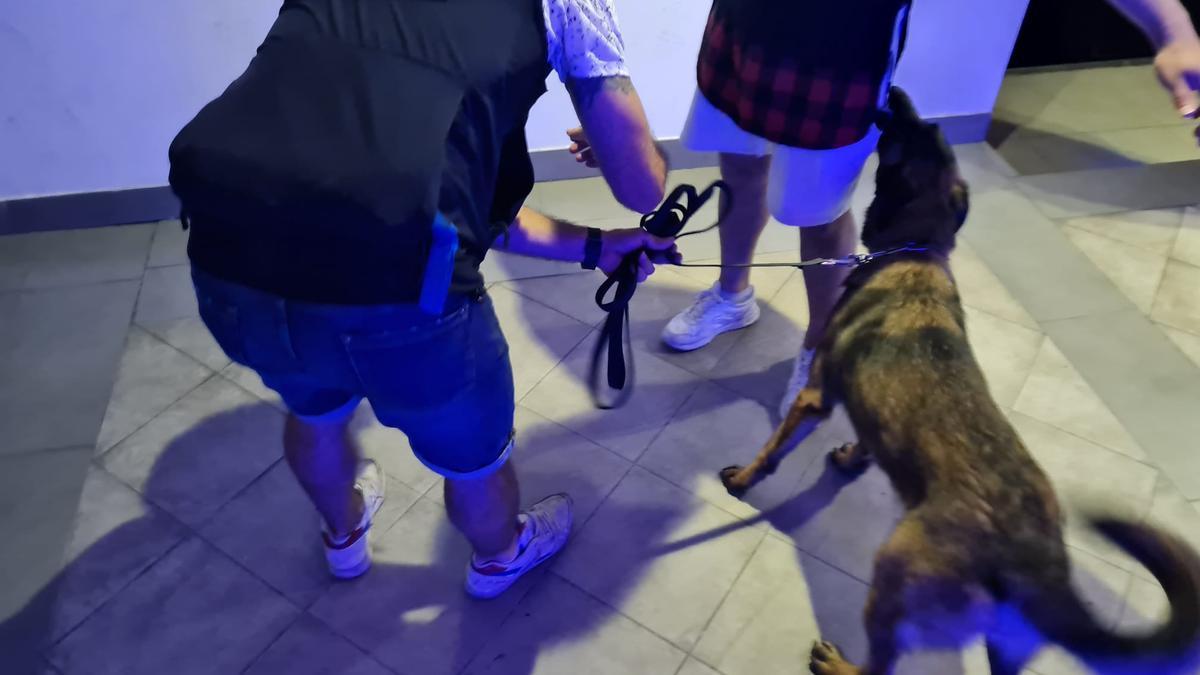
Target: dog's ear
[(901, 107)]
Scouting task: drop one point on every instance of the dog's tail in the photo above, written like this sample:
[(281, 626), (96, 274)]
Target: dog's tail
[(1062, 617)]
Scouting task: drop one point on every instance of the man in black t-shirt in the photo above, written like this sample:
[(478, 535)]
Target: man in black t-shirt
[(342, 193)]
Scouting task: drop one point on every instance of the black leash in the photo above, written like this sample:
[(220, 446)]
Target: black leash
[(668, 221)]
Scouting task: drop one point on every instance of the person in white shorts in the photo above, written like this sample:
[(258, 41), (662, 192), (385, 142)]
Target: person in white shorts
[(788, 95), (795, 153)]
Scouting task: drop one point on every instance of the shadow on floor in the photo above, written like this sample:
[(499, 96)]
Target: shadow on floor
[(144, 634), (401, 614), (1032, 152), (792, 515), (367, 613), (763, 383)]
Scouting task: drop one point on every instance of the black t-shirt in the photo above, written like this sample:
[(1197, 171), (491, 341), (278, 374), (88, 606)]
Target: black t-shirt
[(318, 173)]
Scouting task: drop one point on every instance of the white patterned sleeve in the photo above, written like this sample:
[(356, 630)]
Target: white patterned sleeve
[(584, 39)]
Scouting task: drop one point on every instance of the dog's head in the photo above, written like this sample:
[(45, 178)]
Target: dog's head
[(919, 196)]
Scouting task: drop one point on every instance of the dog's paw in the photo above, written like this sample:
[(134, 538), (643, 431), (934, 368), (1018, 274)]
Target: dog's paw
[(727, 476), (827, 659), (850, 460)]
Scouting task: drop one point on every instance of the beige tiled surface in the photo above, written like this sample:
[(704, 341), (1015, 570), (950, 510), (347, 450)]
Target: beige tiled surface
[(192, 534), (666, 573), (1086, 119), (1056, 393)]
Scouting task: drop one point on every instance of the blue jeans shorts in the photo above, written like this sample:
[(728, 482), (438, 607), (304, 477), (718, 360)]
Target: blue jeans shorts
[(445, 381)]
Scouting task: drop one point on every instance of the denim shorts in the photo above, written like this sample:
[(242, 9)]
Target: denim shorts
[(445, 381)]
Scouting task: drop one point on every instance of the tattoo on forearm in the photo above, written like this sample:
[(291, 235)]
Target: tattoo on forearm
[(585, 91)]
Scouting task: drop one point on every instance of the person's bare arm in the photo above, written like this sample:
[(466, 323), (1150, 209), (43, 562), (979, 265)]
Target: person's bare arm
[(1169, 28), (540, 236), (616, 137)]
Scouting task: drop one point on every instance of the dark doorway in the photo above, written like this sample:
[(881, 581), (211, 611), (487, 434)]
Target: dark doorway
[(1062, 32)]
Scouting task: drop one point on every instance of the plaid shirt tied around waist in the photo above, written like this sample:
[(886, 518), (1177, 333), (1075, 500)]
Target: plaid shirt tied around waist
[(758, 66)]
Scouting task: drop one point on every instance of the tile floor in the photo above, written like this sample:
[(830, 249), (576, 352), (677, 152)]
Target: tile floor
[(189, 549)]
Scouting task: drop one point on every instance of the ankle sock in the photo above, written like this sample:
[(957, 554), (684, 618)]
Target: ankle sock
[(742, 296), (523, 537)]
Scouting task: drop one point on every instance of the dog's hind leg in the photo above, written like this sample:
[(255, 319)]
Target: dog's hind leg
[(884, 612), (851, 458), (806, 413), (921, 596)]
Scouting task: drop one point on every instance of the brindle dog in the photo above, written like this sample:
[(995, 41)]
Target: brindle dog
[(981, 543)]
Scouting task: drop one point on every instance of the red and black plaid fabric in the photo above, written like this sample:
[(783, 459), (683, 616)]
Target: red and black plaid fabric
[(791, 101)]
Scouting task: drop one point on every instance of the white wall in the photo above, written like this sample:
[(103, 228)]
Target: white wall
[(91, 93)]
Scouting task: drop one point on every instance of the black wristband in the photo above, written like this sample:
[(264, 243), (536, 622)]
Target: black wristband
[(591, 249)]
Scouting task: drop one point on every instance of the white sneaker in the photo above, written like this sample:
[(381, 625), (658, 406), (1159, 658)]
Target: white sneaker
[(544, 531), (709, 316), (799, 380), (350, 556)]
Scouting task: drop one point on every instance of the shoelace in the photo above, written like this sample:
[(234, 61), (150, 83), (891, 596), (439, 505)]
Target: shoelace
[(668, 221), (703, 302)]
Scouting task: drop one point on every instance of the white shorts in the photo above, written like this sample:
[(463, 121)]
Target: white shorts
[(807, 187)]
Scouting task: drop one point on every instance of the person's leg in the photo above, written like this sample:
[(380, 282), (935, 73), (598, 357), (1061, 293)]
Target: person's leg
[(743, 222), (325, 460), (346, 491), (730, 304), (461, 426), (294, 353), (823, 285), (746, 166), (813, 190), (485, 511)]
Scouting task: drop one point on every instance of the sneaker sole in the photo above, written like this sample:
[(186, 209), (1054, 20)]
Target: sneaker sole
[(704, 342), (491, 594), (348, 573)]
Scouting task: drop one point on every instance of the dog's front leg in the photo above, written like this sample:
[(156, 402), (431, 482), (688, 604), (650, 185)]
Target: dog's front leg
[(802, 419), (883, 617)]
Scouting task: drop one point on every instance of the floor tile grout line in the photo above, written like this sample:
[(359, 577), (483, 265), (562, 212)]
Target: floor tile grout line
[(189, 392), (207, 520), (1065, 224), (266, 648), (534, 583), (796, 545), (696, 385), (725, 596), (195, 531), (38, 451), (45, 649), (556, 365), (137, 299), (68, 286), (512, 287), (562, 427), (325, 624), (1143, 462), (279, 406), (1161, 324), (193, 359), (702, 498), (1162, 276), (616, 610)]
